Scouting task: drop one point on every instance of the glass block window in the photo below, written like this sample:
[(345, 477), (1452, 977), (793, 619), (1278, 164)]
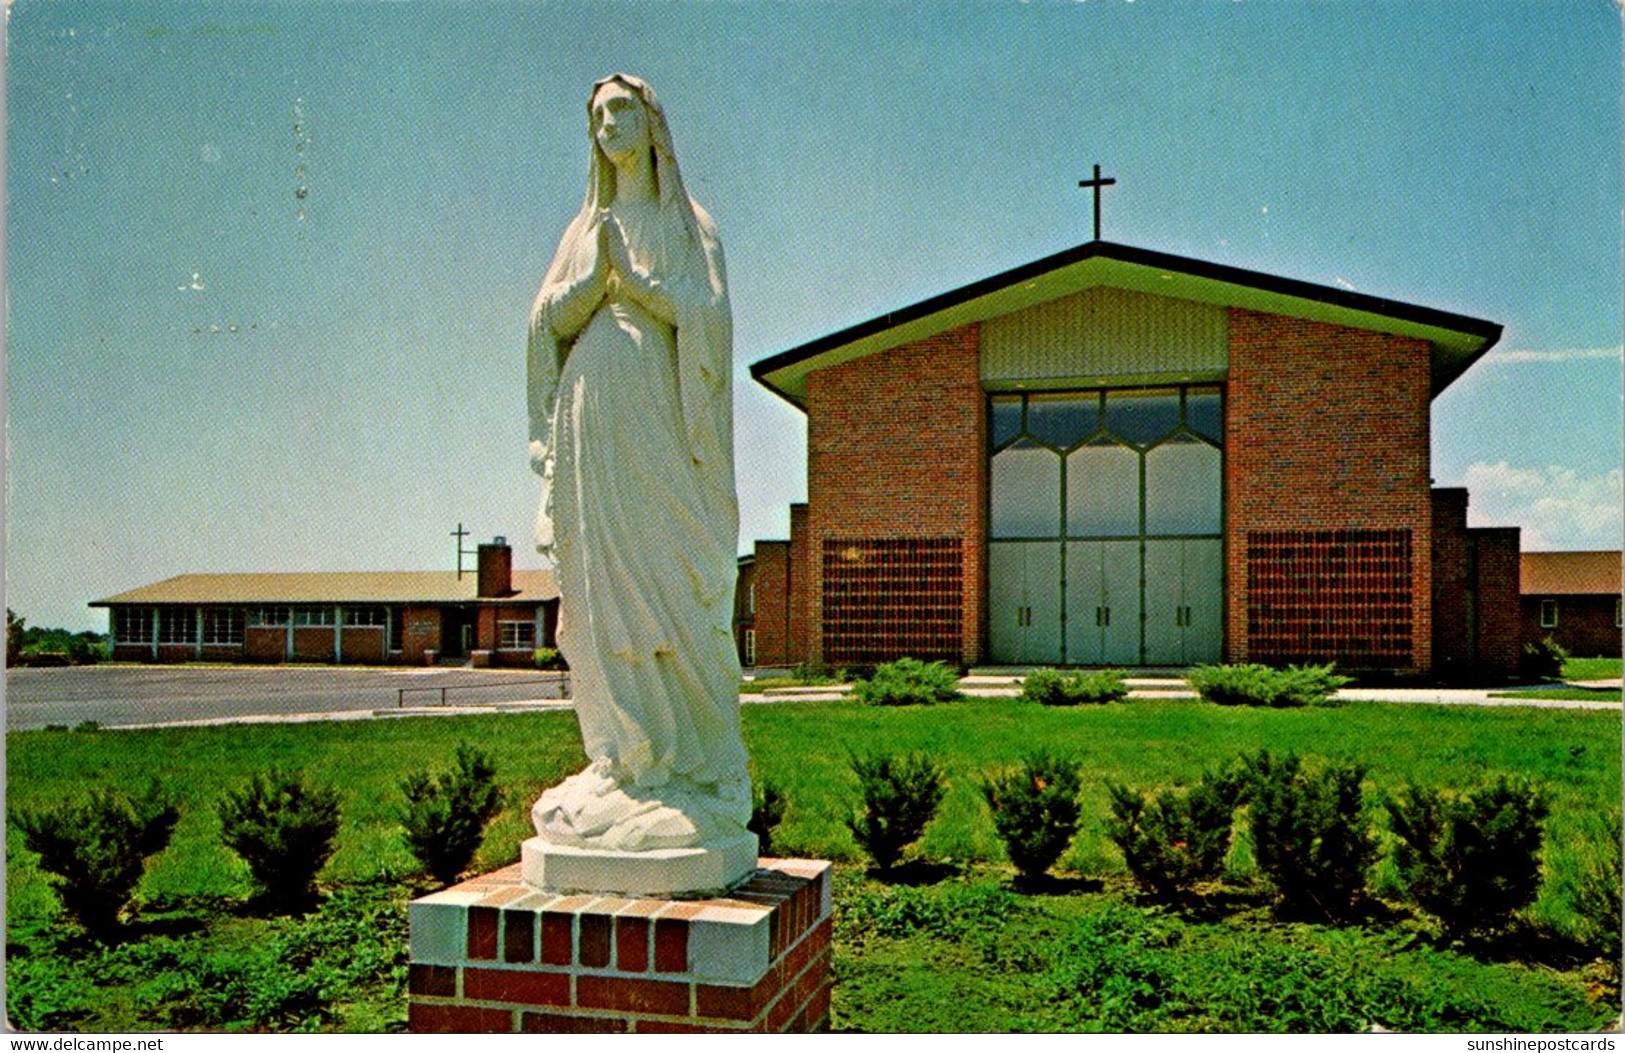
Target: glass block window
[(1339, 596), (177, 625), (886, 597), (223, 625), (365, 616), (315, 617), (517, 636), (132, 625)]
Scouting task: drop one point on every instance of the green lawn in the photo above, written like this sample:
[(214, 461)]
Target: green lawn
[(803, 748), (1564, 694), (969, 955), (1591, 669)]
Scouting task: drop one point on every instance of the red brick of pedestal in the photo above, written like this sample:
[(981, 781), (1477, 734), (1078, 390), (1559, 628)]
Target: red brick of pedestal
[(493, 955)]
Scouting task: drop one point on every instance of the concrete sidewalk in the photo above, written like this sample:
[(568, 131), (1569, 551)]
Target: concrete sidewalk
[(997, 685), (521, 706)]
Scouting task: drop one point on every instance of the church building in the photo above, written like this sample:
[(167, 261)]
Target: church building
[(1114, 456)]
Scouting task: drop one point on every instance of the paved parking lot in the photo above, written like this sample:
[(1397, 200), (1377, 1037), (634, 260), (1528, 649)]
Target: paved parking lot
[(121, 695)]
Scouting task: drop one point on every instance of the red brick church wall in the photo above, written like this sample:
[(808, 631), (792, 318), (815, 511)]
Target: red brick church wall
[(770, 620), (797, 636), (1475, 593), (1453, 647), (896, 484), (1329, 516), (1500, 640)]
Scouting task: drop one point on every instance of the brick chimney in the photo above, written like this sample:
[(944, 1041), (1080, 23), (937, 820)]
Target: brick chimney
[(495, 570)]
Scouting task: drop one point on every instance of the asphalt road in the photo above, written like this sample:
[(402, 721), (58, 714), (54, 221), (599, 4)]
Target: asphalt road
[(117, 695)]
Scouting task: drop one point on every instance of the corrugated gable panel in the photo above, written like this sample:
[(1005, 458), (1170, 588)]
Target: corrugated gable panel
[(1106, 332)]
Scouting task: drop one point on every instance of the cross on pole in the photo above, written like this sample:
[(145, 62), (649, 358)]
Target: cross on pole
[(1096, 184), (459, 534)]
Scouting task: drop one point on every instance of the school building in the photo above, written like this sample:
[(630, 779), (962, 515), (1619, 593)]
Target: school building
[(1573, 597), (492, 615), (1114, 456)]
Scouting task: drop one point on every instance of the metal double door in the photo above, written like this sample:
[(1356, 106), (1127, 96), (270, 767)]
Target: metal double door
[(1125, 602)]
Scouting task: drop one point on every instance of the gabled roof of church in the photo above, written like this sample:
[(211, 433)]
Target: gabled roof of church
[(1457, 340)]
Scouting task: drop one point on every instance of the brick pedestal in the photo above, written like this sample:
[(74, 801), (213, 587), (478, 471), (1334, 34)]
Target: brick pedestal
[(495, 955)]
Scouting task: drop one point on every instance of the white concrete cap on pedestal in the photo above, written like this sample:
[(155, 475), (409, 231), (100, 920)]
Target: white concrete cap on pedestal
[(705, 868)]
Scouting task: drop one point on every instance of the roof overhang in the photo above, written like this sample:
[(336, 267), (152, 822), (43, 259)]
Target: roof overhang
[(334, 588), (1456, 340)]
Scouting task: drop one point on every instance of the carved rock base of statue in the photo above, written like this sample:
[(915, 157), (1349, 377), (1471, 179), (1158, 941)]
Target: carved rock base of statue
[(706, 869), (595, 835)]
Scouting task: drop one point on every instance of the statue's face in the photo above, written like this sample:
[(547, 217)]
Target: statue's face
[(621, 126)]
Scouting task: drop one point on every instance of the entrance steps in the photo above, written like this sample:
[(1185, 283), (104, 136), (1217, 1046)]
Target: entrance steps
[(1130, 673), (1001, 681), (996, 682)]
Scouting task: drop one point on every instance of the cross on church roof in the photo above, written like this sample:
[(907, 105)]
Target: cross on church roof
[(1097, 183), (460, 534)]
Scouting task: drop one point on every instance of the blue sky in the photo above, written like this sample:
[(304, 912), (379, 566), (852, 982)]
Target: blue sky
[(207, 371)]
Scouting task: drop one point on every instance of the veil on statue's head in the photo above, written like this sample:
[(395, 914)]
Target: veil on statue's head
[(668, 179)]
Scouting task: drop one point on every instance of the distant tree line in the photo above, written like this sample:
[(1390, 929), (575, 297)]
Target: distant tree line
[(32, 645)]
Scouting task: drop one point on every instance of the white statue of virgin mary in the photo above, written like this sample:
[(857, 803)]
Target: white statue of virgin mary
[(631, 415)]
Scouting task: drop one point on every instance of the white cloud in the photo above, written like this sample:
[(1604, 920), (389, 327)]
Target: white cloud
[(1557, 507), (1571, 354)]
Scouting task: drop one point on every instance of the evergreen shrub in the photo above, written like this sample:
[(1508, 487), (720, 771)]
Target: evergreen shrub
[(1472, 859), (548, 658), (908, 682), (97, 851), (284, 830), (817, 674), (1178, 838), (1048, 687), (1543, 659), (1260, 685), (445, 816), (1310, 832), (1035, 810), (899, 798)]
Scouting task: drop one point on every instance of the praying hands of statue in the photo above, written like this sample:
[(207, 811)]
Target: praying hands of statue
[(639, 284)]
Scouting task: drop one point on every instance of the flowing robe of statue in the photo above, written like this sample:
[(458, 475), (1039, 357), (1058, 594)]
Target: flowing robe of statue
[(631, 427)]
